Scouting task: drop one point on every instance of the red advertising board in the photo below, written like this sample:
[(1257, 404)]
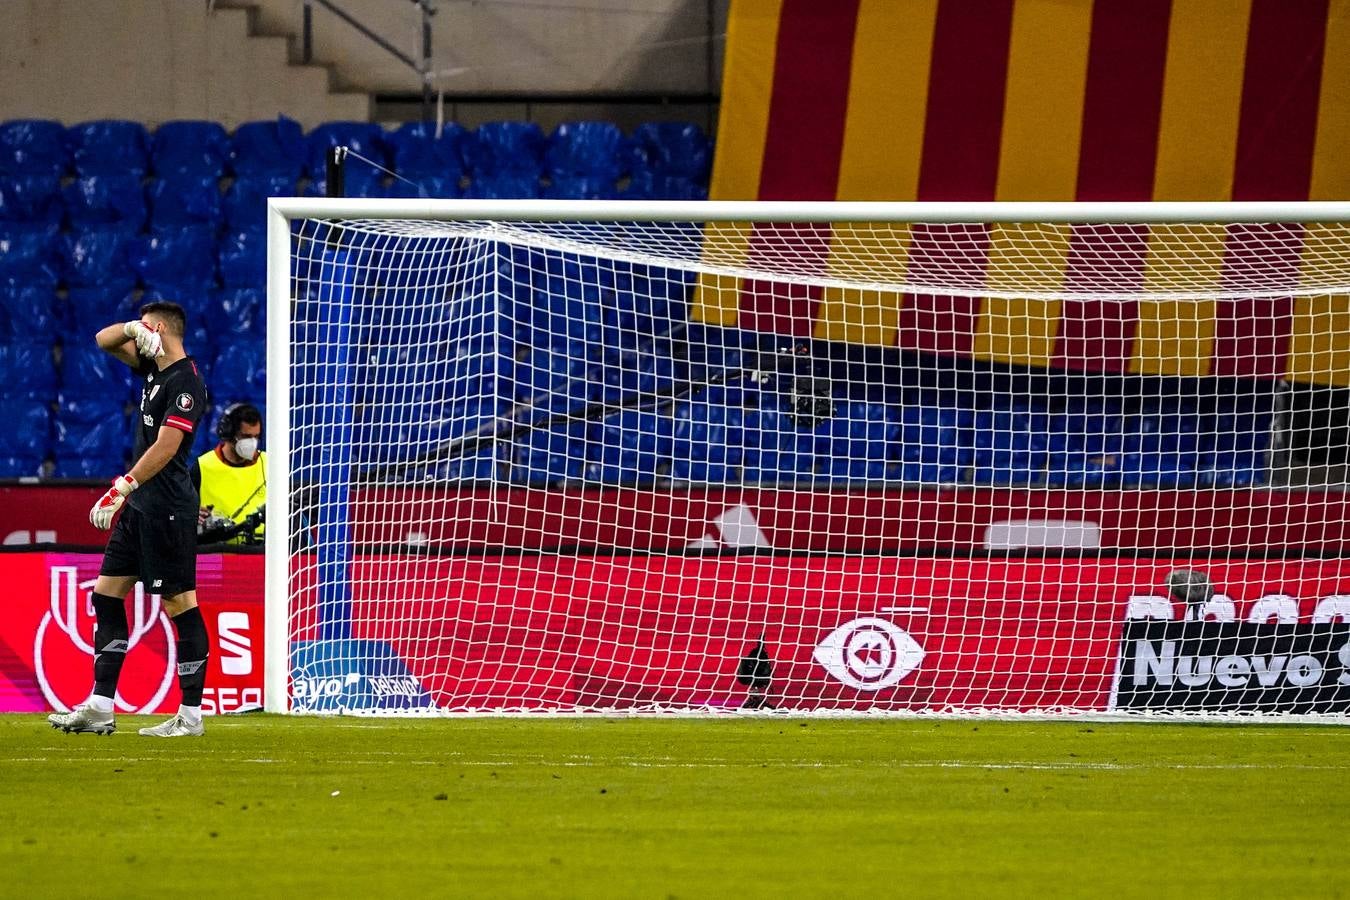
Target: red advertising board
[(46, 636), (884, 633)]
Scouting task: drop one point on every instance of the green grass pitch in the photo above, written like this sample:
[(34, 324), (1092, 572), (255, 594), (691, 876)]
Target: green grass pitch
[(675, 807)]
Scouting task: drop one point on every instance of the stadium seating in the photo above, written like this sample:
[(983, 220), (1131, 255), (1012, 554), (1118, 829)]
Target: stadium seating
[(26, 437), (187, 149), (268, 149), (417, 152), (184, 200), (504, 148), (33, 147), (31, 198), (109, 147)]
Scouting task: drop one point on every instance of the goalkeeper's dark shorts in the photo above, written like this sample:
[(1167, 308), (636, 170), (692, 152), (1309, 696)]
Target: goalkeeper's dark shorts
[(159, 549)]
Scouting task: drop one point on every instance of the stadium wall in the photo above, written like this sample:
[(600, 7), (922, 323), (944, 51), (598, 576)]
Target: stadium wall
[(152, 61)]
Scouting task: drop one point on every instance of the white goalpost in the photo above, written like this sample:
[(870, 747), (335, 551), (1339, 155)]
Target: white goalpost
[(942, 458)]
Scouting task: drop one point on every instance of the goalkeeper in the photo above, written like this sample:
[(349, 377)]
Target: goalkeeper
[(155, 539), (232, 480)]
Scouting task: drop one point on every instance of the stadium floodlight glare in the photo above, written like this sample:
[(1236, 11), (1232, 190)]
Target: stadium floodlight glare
[(564, 456)]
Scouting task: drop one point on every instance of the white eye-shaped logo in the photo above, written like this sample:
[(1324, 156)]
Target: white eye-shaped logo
[(869, 653)]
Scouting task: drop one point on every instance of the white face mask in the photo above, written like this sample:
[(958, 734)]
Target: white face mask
[(247, 448)]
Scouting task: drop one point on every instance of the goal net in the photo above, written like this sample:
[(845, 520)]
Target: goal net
[(557, 457)]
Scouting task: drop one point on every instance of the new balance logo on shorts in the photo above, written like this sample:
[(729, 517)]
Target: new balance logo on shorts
[(190, 668), (159, 582)]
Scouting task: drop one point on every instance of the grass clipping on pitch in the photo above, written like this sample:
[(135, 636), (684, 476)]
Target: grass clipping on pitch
[(684, 808)]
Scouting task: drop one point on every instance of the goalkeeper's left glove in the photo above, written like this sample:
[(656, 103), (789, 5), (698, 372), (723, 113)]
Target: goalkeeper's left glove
[(101, 515)]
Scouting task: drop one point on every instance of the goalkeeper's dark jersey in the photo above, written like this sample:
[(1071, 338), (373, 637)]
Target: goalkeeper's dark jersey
[(174, 397)]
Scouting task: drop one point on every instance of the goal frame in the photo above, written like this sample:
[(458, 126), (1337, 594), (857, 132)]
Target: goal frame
[(283, 210)]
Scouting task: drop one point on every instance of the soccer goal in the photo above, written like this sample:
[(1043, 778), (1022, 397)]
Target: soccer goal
[(536, 456)]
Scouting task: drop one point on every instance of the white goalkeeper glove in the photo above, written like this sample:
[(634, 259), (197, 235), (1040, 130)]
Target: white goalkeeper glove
[(101, 515), (148, 342)]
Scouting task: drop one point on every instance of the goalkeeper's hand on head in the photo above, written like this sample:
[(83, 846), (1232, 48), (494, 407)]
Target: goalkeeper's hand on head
[(101, 515), (148, 342)]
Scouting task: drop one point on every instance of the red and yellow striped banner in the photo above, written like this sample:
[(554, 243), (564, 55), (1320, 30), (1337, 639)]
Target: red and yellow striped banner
[(1041, 100)]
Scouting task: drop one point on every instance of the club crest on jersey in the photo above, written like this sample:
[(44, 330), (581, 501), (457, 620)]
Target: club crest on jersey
[(184, 402)]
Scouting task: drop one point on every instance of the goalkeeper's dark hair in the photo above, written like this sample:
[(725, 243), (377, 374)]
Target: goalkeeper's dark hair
[(172, 314)]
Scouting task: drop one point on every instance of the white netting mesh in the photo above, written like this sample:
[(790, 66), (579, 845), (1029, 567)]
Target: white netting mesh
[(861, 466)]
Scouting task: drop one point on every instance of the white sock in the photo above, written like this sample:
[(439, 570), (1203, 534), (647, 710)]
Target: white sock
[(99, 704), (191, 714)]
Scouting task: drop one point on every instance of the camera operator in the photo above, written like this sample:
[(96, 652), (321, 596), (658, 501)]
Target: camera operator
[(232, 479)]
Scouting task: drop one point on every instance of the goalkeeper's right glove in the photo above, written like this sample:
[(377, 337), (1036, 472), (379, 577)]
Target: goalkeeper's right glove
[(101, 515), (148, 342)]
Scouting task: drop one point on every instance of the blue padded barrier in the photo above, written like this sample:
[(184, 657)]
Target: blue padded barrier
[(31, 198), (184, 258), (595, 150), (33, 147), (416, 152), (679, 149), (109, 147), (242, 258), (180, 200), (27, 368), (106, 200), (190, 149), (245, 203), (274, 148), (100, 256), (27, 431), (364, 139), (504, 148), (29, 309)]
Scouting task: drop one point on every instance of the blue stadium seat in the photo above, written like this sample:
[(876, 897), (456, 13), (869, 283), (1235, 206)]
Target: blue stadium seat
[(363, 139), (580, 187), (709, 445), (640, 372), (630, 447), (437, 187), (29, 308), (511, 186), (92, 307), (936, 442), (586, 150), (30, 252), (359, 180), (554, 379), (677, 149), (188, 149), (86, 371), (548, 456), (1010, 447), (776, 451), (27, 432), (417, 153), (109, 147), (100, 256), (268, 149), (27, 368), (33, 147), (239, 372), (106, 200), (242, 257), (477, 467), (184, 258), (89, 426), (241, 311), (504, 148), (652, 186), (31, 198), (859, 443), (179, 200), (245, 202)]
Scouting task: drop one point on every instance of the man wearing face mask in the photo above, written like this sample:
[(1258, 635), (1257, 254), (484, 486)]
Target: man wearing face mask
[(232, 479)]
